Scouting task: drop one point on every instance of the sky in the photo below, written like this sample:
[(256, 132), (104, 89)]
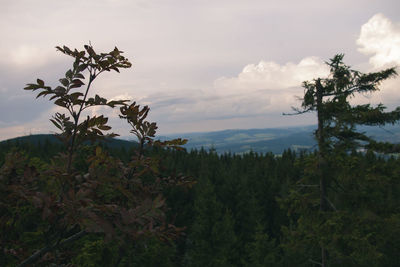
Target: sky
[(200, 65)]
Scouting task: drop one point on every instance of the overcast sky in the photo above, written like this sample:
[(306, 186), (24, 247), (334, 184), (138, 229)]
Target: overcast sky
[(200, 65)]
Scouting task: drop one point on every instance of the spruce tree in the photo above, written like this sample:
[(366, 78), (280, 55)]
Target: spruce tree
[(212, 238), (337, 127)]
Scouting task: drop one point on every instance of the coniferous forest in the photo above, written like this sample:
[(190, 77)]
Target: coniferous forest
[(81, 202)]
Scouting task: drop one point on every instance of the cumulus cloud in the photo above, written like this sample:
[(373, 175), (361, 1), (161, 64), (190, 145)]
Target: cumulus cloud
[(258, 90), (271, 75), (267, 86), (380, 37)]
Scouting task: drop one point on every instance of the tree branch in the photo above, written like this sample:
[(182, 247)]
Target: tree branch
[(331, 204), (44, 250), (297, 111), (315, 262)]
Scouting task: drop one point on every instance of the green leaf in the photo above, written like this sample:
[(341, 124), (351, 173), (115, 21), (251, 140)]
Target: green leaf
[(56, 124), (76, 83), (104, 64), (68, 74), (53, 97), (60, 102), (158, 202), (43, 93), (40, 82), (104, 127), (79, 76), (60, 90), (76, 95), (82, 67), (115, 68), (90, 50), (31, 86), (64, 81), (67, 50), (98, 151)]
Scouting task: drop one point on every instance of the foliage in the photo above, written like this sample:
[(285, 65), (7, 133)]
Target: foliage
[(262, 251), (212, 233), (247, 187), (329, 97), (51, 205), (344, 232)]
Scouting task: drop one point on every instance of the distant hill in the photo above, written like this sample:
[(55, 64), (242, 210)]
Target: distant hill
[(274, 140), (36, 139), (33, 139)]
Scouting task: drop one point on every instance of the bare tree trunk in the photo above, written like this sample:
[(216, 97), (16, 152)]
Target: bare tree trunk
[(321, 157)]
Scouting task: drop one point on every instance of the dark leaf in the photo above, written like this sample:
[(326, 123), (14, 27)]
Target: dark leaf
[(82, 67), (68, 74), (56, 124), (60, 90), (40, 82), (64, 81), (60, 102), (43, 93), (79, 76), (104, 127)]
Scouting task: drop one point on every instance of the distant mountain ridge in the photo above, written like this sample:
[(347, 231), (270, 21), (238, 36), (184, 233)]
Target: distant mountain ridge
[(240, 141), (37, 139), (274, 140)]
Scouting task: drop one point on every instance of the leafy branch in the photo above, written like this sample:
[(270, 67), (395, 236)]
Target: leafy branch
[(75, 102)]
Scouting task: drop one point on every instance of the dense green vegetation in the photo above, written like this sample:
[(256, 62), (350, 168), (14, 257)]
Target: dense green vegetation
[(244, 211), (337, 134), (50, 207), (78, 202)]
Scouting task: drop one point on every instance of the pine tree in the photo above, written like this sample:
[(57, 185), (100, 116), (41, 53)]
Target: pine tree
[(212, 235), (337, 126)]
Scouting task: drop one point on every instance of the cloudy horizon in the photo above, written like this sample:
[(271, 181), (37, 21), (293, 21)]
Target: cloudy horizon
[(199, 65)]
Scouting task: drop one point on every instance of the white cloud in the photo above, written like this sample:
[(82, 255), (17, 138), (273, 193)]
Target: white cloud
[(269, 86), (380, 38), (25, 56), (271, 75), (258, 91)]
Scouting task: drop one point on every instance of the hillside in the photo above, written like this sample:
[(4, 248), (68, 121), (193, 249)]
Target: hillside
[(239, 141), (37, 139), (274, 140)]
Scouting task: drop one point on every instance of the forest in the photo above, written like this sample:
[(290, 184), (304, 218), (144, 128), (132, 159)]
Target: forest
[(81, 202)]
